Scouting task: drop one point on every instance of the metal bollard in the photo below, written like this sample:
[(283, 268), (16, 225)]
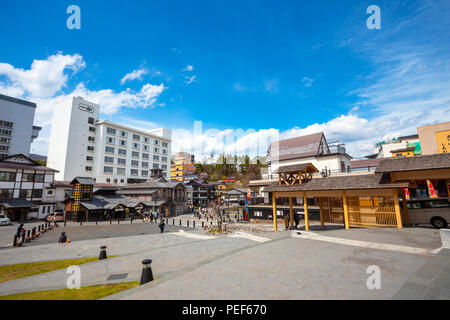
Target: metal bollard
[(180, 222), (203, 224), (39, 229), (173, 222), (188, 223), (193, 224), (102, 255), (28, 236), (118, 220), (147, 274)]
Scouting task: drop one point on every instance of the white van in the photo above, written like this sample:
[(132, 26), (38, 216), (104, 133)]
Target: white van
[(430, 211)]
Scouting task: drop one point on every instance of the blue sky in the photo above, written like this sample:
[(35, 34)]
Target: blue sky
[(295, 66)]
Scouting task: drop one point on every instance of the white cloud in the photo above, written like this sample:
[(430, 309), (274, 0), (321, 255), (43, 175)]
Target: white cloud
[(271, 85), (307, 82), (189, 80), (239, 87), (189, 68), (134, 75), (43, 84), (45, 78)]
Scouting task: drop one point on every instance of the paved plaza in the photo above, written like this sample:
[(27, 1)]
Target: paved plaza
[(190, 264)]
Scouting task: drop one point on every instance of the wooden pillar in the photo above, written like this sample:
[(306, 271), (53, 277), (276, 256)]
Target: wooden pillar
[(305, 206), (405, 210), (322, 218), (274, 203), (291, 212), (397, 210), (344, 202)]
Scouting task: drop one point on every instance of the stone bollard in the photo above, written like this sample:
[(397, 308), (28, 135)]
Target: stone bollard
[(102, 255), (23, 237), (173, 222), (203, 224), (118, 220), (15, 244), (188, 223), (193, 224), (147, 274), (180, 222), (28, 236), (39, 229)]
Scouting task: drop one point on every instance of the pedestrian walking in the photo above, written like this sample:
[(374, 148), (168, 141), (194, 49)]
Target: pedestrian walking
[(162, 225), (296, 220), (20, 230), (286, 221)]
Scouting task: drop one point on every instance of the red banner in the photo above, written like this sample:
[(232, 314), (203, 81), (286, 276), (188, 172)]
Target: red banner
[(431, 189), (407, 194)]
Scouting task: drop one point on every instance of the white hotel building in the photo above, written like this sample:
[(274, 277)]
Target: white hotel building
[(83, 146)]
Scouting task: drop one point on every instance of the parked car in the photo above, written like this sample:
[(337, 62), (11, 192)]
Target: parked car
[(430, 211), (4, 220), (57, 216)]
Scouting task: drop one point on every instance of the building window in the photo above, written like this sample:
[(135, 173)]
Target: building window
[(145, 156), (110, 140), (156, 150), (124, 134), (89, 148), (145, 148), (111, 131), (136, 145), (144, 173), (156, 142), (37, 193), (134, 172), (27, 177), (5, 132), (134, 163), (4, 148), (122, 161), (144, 164), (164, 151), (121, 171), (108, 169), (91, 129), (49, 192), (146, 140), (6, 194), (92, 139), (5, 140), (89, 158), (109, 160), (135, 154), (165, 144), (39, 177), (136, 137), (7, 176), (164, 159), (24, 194), (6, 124), (91, 120), (109, 149), (156, 158), (123, 143), (108, 180), (164, 167), (122, 152), (155, 166), (89, 169)]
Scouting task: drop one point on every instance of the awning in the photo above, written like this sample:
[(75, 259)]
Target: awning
[(17, 203)]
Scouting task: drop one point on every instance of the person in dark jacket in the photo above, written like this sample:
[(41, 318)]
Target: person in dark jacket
[(296, 220), (62, 238), (20, 230), (162, 225), (286, 221)]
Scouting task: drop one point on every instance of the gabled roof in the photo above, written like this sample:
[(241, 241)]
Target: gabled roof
[(20, 161), (309, 167), (299, 147), (434, 161), (17, 203), (365, 163), (357, 182), (236, 192), (83, 181)]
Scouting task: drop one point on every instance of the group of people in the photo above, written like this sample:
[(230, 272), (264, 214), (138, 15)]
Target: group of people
[(287, 220), (150, 216)]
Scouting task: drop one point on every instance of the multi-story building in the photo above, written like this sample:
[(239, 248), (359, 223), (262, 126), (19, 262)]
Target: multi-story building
[(314, 149), (16, 126), (184, 165), (405, 146), (23, 184), (203, 193), (82, 145), (435, 138)]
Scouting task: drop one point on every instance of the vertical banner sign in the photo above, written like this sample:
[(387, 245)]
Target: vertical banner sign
[(431, 189), (407, 194), (249, 194)]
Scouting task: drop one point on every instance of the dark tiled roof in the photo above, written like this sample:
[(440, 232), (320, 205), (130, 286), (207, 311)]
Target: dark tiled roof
[(299, 147), (355, 182), (295, 167), (435, 161), (412, 136), (16, 100), (17, 203), (27, 164), (365, 163), (83, 181)]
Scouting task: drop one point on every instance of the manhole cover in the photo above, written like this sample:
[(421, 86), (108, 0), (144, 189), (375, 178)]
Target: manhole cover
[(117, 276)]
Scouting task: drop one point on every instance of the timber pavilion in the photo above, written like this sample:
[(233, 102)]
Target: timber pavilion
[(362, 200)]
